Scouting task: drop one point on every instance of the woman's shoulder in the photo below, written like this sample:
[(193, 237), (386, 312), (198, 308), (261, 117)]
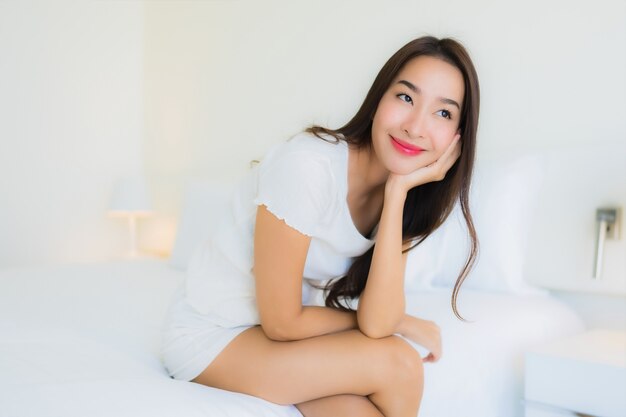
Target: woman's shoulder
[(298, 182), (324, 145), (320, 159)]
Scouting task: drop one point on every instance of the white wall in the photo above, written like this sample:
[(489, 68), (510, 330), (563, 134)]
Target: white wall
[(71, 123)]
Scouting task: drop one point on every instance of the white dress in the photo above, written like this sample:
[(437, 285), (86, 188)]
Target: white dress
[(302, 181)]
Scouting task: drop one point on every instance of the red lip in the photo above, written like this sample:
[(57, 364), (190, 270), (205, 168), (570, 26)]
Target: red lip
[(405, 147)]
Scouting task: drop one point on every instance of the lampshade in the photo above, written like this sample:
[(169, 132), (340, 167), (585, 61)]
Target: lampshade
[(130, 198)]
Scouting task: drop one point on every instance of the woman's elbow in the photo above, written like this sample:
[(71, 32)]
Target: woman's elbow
[(377, 329), (375, 332), (278, 332)]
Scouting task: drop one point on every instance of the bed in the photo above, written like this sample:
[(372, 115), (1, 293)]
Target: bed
[(83, 339)]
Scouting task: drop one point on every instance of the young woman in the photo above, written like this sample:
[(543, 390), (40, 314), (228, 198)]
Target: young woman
[(312, 210)]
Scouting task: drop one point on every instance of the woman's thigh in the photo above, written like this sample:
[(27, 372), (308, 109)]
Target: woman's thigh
[(303, 370), (339, 406)]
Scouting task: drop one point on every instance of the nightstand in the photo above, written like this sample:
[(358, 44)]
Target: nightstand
[(582, 375)]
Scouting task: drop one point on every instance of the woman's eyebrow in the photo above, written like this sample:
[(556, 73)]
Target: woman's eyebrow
[(417, 90), (450, 101)]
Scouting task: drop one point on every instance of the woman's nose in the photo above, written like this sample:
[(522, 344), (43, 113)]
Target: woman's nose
[(415, 124)]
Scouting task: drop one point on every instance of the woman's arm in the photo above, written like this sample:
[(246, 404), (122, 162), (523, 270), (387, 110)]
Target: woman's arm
[(279, 256), (423, 332), (382, 305)]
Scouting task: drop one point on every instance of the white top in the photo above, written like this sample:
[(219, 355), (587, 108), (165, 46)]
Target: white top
[(302, 181)]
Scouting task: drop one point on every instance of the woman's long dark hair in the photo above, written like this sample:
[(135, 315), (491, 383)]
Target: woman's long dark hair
[(427, 206)]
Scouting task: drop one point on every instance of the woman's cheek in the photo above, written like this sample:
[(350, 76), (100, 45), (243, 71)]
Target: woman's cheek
[(444, 142), (440, 149)]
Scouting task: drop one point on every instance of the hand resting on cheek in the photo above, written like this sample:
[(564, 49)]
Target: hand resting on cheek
[(429, 173)]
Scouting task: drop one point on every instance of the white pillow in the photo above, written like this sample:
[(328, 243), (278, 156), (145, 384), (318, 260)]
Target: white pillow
[(503, 198), (424, 262), (204, 204)]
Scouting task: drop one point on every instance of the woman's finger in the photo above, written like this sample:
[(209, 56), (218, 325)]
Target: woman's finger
[(451, 154), (428, 358), (454, 150)]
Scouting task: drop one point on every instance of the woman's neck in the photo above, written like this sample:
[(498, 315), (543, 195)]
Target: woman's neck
[(366, 175), (366, 185)]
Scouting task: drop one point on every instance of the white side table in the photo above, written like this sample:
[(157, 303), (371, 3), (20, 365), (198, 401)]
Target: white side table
[(583, 375)]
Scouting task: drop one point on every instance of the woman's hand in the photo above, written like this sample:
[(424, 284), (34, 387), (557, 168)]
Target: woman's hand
[(423, 332), (433, 172)]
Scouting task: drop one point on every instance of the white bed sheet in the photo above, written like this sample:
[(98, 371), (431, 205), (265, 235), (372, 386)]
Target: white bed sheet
[(83, 339), (481, 370)]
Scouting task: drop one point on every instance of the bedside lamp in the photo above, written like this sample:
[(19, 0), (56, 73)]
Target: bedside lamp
[(130, 200)]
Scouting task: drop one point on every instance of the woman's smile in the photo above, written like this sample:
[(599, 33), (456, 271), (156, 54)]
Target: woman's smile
[(405, 148)]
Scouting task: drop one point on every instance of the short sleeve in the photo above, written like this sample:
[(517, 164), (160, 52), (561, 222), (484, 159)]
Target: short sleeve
[(297, 187)]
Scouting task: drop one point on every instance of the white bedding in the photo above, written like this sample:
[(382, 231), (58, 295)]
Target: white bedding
[(83, 339)]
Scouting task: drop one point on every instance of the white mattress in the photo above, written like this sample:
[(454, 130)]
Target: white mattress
[(83, 339)]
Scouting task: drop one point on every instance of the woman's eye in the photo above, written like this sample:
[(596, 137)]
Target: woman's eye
[(445, 113), (405, 98)]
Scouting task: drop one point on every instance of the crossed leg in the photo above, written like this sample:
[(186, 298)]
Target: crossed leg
[(340, 405), (323, 375)]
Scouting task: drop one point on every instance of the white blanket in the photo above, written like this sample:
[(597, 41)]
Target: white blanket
[(83, 340)]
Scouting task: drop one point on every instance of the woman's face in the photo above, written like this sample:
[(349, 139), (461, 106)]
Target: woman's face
[(418, 115)]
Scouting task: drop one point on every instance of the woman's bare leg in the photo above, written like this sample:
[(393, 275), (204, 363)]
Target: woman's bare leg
[(345, 405), (388, 371)]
